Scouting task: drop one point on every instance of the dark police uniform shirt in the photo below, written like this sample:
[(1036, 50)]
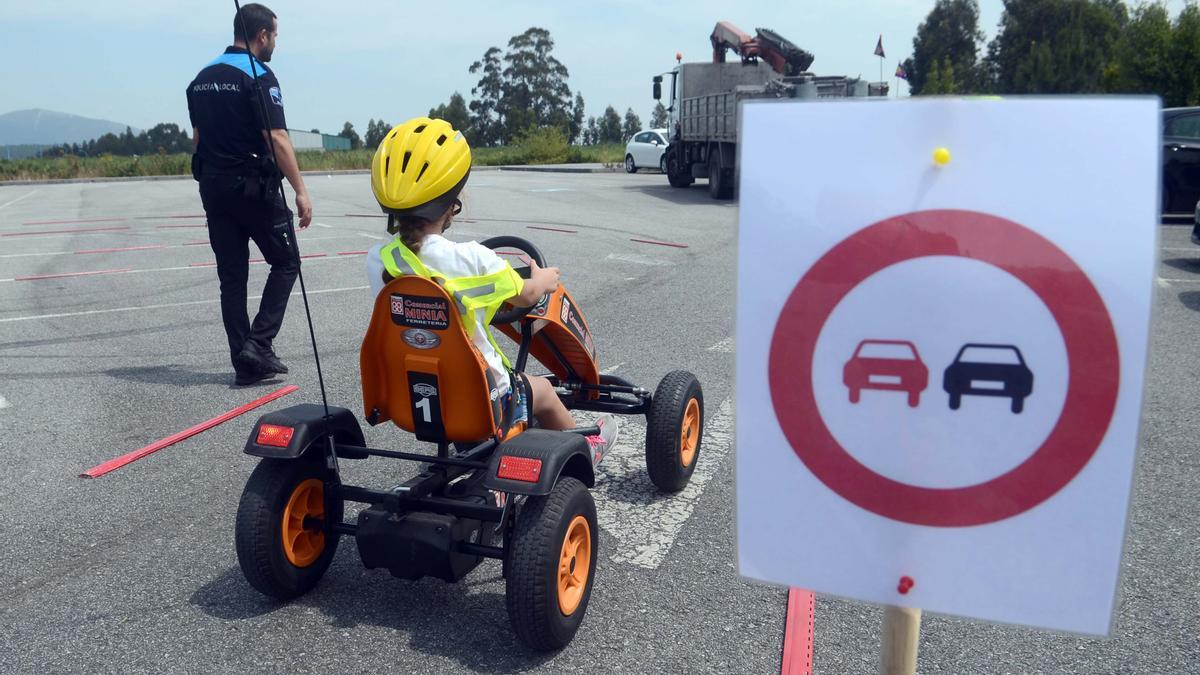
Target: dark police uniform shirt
[(222, 105)]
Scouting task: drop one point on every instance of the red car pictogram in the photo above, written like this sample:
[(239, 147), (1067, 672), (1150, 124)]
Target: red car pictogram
[(887, 365)]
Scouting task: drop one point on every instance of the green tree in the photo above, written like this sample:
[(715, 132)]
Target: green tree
[(487, 123), (950, 31), (632, 125), (1142, 61), (1184, 52), (659, 118), (349, 132), (455, 112), (376, 130), (591, 134), (535, 91), (1055, 46), (577, 119), (609, 127)]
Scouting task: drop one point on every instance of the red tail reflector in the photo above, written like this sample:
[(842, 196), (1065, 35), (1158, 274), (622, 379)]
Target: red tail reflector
[(520, 468), (274, 435)]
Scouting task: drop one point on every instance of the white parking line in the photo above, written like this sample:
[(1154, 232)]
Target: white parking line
[(724, 346), (1192, 249), (629, 507), (638, 259), (1162, 280), (4, 403), (17, 199), (162, 306), (208, 265), (1163, 283)]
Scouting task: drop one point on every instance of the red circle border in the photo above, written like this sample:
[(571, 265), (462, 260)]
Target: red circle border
[(1076, 305)]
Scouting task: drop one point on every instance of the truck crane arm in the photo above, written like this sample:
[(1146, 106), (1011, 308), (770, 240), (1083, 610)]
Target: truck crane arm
[(783, 56)]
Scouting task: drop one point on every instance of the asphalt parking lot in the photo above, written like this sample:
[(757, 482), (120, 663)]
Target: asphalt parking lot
[(136, 571)]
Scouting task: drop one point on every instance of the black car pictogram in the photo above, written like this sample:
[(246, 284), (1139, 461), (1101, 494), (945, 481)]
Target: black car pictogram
[(988, 370)]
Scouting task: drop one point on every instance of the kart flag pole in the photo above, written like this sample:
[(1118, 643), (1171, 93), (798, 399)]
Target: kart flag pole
[(899, 641)]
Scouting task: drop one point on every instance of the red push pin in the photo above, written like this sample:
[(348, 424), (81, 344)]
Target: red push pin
[(906, 584)]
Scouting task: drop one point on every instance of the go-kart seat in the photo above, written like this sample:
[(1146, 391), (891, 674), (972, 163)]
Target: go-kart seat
[(420, 370)]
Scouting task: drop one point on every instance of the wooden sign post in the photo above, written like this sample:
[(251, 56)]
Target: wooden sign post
[(899, 641)]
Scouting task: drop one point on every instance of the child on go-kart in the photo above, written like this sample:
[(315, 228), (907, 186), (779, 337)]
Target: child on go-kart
[(417, 174)]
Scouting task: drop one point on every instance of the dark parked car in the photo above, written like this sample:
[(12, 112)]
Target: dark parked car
[(988, 370), (1181, 159)]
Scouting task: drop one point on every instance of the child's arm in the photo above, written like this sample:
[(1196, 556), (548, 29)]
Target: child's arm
[(542, 280)]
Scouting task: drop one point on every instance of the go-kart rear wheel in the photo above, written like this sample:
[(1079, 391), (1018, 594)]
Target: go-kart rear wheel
[(551, 564), (283, 533), (674, 430)]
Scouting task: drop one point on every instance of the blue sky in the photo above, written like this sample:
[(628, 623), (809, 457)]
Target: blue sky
[(130, 60)]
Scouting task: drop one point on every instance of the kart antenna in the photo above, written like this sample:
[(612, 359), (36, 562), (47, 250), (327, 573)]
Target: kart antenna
[(276, 185)]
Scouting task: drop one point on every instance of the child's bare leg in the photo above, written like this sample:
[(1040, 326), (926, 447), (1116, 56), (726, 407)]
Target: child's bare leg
[(547, 408)]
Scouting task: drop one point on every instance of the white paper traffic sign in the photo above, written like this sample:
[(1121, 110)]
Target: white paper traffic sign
[(940, 363)]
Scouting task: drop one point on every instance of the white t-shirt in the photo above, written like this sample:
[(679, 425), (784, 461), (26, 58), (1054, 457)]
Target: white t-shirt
[(468, 259)]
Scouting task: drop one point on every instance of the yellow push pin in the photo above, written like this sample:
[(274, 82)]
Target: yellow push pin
[(941, 156)]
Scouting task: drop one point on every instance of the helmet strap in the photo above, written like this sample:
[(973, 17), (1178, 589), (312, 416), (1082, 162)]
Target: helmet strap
[(392, 227)]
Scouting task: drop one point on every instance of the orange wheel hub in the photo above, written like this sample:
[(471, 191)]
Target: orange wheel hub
[(689, 435), (303, 518), (574, 565)]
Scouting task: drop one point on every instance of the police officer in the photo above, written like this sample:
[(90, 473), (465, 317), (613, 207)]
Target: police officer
[(237, 176)]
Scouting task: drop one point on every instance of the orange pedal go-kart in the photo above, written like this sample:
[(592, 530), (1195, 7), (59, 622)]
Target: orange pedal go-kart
[(497, 488)]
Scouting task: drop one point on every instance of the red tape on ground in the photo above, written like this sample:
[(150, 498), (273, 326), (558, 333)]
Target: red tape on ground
[(114, 464), (798, 632)]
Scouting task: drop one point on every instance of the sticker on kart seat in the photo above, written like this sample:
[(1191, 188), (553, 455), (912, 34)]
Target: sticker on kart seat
[(426, 406), (417, 311), (574, 323), (419, 338)]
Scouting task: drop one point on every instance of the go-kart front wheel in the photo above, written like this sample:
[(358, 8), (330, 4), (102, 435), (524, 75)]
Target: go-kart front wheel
[(284, 537), (551, 564), (674, 429)]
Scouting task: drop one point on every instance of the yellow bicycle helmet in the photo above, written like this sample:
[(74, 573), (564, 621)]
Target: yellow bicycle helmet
[(419, 168)]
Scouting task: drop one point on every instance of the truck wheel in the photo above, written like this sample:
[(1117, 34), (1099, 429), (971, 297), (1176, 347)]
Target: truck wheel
[(630, 167), (675, 175), (551, 564), (284, 535), (674, 430), (720, 185)]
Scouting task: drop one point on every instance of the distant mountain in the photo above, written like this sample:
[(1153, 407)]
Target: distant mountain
[(46, 127)]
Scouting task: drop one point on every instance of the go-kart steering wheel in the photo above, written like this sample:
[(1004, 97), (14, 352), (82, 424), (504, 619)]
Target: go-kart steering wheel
[(525, 246)]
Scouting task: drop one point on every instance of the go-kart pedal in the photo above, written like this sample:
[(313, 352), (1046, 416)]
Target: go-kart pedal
[(495, 488)]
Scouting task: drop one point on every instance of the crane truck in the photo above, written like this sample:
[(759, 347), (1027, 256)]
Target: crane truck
[(704, 97)]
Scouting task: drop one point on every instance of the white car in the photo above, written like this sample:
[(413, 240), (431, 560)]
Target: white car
[(647, 149)]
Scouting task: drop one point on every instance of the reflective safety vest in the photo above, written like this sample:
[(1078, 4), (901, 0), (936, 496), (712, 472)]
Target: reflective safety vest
[(470, 294)]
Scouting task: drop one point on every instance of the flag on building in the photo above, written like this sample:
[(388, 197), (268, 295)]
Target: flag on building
[(879, 47), (900, 71)]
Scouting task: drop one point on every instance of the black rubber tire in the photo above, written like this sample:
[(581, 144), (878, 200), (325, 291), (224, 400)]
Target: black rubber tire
[(630, 167), (531, 578), (663, 425), (674, 175), (260, 522), (662, 163), (715, 188)]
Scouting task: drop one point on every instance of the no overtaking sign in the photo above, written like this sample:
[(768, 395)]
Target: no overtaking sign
[(940, 366)]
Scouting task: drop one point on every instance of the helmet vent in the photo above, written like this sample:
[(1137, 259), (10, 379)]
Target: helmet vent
[(422, 173), (441, 139), (404, 165), (419, 129), (387, 162), (393, 134)]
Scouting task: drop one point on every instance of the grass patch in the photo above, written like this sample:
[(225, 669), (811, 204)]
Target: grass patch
[(538, 147)]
